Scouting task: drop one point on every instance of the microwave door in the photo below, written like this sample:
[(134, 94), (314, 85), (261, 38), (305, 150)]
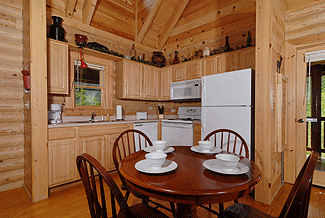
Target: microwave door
[(181, 92)]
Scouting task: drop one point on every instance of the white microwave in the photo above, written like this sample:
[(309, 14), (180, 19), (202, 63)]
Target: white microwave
[(186, 90)]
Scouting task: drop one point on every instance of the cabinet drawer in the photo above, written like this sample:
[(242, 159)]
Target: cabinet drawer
[(96, 130), (61, 133)]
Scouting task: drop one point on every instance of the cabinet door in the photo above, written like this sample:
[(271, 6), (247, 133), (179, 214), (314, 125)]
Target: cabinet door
[(110, 143), (166, 78), (57, 67), (246, 58), (227, 62), (196, 133), (95, 146), (151, 83), (194, 70), (133, 80), (179, 72), (209, 66), (62, 161)]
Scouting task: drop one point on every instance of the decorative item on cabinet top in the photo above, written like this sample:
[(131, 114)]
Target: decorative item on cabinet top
[(57, 32), (158, 59)]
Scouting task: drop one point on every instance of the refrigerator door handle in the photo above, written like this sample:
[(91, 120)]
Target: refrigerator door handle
[(203, 89), (203, 119)]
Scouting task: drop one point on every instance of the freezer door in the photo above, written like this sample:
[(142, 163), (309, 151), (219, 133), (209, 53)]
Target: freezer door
[(234, 118), (225, 89)]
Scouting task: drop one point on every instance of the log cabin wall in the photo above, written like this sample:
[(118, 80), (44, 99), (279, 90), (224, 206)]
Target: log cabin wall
[(11, 96), (270, 32)]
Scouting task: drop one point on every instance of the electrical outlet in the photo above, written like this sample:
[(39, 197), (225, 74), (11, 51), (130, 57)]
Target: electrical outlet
[(173, 110), (149, 108)]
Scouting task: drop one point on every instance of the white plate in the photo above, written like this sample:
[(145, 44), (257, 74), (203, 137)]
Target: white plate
[(152, 149), (144, 167), (212, 151), (214, 166)]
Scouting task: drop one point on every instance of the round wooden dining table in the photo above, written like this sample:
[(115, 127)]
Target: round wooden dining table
[(190, 184)]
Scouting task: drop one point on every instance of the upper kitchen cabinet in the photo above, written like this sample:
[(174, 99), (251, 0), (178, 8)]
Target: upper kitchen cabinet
[(129, 79), (151, 86), (235, 60), (246, 58), (57, 67), (209, 66), (179, 72), (137, 81), (166, 78), (187, 71)]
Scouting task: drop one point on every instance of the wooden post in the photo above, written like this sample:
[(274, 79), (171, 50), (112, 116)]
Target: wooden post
[(36, 180)]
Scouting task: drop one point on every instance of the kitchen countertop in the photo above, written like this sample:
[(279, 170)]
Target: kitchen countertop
[(85, 123)]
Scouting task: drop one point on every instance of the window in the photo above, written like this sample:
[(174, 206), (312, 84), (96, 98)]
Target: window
[(88, 84), (91, 89)]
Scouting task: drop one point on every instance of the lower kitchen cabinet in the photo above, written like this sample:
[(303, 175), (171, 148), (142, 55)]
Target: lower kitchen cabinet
[(66, 143), (62, 161), (196, 133), (96, 147)]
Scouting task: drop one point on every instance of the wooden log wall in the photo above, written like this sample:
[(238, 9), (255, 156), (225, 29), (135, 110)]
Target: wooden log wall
[(270, 30), (11, 96)]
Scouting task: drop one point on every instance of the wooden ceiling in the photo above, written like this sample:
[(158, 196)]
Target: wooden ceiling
[(162, 24)]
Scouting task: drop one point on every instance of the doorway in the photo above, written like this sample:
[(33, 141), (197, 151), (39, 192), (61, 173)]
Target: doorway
[(315, 112), (304, 138)]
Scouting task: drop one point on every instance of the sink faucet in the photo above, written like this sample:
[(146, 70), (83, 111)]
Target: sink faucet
[(93, 116)]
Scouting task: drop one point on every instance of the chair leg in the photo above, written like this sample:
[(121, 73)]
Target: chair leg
[(172, 206), (236, 201), (145, 201), (127, 194), (221, 207)]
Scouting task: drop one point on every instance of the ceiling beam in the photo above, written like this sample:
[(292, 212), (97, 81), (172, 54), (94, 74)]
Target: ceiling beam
[(172, 23), (69, 7), (88, 11), (148, 21)]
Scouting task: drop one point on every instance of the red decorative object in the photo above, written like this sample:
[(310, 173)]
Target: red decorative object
[(83, 65), (81, 40), (26, 79)]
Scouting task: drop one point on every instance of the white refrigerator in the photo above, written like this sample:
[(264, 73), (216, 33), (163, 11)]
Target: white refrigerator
[(228, 103)]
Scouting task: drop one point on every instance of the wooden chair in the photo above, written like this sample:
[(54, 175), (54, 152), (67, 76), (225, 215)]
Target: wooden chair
[(296, 204), (230, 141), (126, 144), (88, 167)]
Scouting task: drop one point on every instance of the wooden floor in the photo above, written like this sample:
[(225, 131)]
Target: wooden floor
[(71, 202)]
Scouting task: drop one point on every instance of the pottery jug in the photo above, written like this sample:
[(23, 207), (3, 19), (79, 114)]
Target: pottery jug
[(56, 30)]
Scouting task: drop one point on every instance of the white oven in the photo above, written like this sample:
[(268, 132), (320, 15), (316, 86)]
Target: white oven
[(177, 132), (185, 90)]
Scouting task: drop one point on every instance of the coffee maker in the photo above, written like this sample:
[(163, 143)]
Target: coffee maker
[(55, 114)]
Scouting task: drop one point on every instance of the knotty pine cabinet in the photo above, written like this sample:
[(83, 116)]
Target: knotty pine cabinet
[(187, 71), (225, 62), (151, 79), (66, 143), (196, 133), (129, 79), (166, 77), (57, 67), (137, 81)]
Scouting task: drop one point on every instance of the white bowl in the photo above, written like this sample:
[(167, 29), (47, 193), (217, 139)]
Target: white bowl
[(156, 159), (205, 145), (227, 161), (159, 145)]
